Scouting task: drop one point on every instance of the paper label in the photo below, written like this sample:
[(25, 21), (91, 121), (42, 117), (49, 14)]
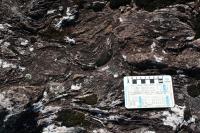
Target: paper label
[(148, 91)]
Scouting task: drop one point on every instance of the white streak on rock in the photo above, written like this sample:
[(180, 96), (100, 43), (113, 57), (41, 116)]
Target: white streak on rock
[(124, 57), (50, 11), (49, 114), (24, 42), (31, 49), (1, 27), (108, 41), (153, 45), (156, 31), (62, 129), (5, 64), (107, 70), (56, 88), (68, 16), (190, 38), (69, 40), (104, 68), (176, 117), (114, 117), (4, 26), (6, 44), (22, 68), (116, 102), (101, 130), (7, 25), (38, 106), (163, 51), (55, 129), (149, 132), (1, 41), (121, 20), (5, 102), (116, 75), (76, 87), (158, 59), (160, 38)]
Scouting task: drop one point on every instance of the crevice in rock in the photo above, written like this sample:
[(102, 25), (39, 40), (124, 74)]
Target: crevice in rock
[(25, 122), (151, 5), (193, 72), (22, 122), (149, 65), (114, 4), (197, 26), (164, 69), (194, 90)]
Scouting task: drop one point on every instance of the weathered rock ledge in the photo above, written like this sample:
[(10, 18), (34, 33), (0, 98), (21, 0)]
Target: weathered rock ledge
[(62, 63)]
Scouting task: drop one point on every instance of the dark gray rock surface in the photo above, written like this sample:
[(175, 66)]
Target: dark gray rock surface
[(62, 63)]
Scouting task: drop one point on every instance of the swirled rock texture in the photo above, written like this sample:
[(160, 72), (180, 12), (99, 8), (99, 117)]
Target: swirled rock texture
[(62, 64)]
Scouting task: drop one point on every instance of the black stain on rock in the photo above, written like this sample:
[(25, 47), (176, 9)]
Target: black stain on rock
[(114, 4), (71, 118), (151, 5), (24, 122), (194, 90)]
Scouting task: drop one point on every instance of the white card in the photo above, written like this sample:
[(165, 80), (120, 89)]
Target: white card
[(148, 92)]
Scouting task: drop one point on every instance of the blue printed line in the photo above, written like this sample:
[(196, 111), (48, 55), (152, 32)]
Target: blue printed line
[(167, 99), (140, 102), (164, 89)]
